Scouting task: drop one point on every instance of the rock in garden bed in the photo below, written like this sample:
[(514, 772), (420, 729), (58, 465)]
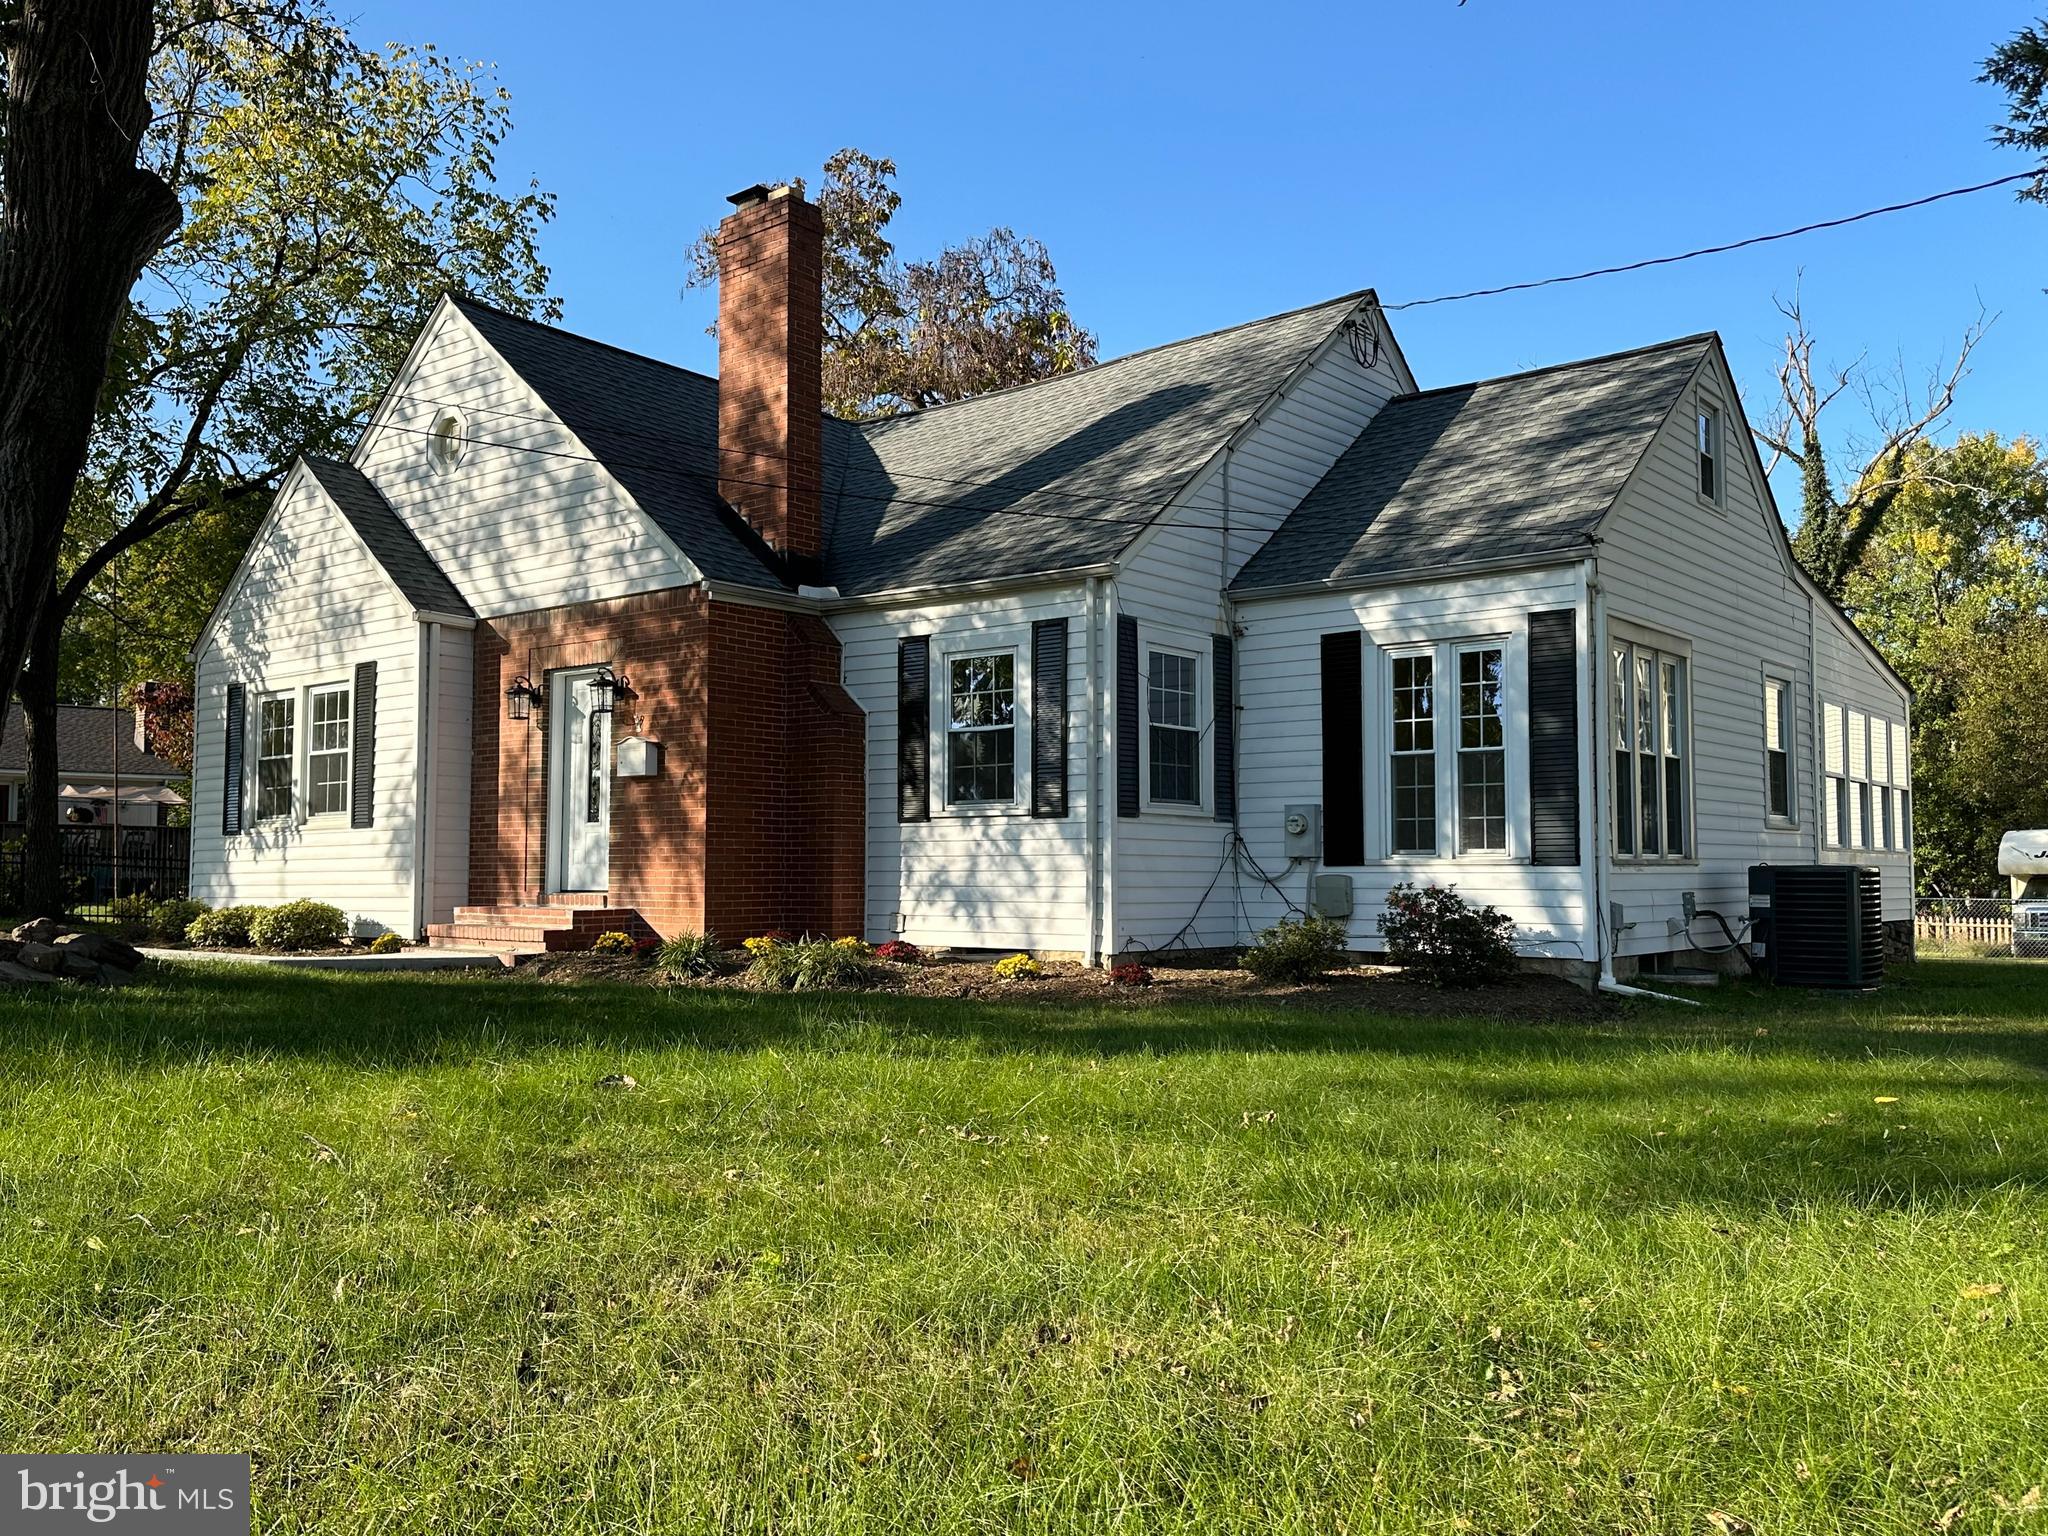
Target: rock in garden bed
[(46, 951)]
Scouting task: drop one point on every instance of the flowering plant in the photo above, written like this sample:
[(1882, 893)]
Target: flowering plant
[(902, 951), (1018, 968), (1130, 974)]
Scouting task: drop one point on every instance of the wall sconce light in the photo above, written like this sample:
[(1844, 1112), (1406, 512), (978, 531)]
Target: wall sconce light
[(520, 698), (605, 687)]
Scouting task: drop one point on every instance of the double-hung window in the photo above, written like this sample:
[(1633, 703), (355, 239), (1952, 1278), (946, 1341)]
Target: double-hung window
[(275, 756), (1651, 723), (1859, 780), (1902, 814), (327, 751), (1482, 751), (1835, 763), (1778, 749), (1709, 427), (1413, 754), (1174, 726), (981, 728)]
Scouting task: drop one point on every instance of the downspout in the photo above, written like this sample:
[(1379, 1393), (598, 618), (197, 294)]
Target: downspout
[(1092, 653), (423, 779)]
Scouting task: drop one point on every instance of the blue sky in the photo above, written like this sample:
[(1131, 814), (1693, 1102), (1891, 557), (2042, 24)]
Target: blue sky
[(1194, 165)]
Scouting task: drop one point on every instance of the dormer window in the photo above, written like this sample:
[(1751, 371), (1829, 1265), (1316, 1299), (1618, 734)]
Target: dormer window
[(1710, 454), (445, 443)]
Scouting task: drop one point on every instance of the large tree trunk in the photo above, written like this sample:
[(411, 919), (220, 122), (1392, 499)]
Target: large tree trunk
[(42, 874), (79, 220)]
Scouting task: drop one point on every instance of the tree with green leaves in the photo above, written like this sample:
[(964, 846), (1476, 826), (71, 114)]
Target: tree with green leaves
[(79, 216), (1838, 520), (330, 194), (900, 336), (2020, 69), (1954, 591)]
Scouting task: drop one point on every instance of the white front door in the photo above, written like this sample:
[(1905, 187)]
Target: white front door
[(580, 784)]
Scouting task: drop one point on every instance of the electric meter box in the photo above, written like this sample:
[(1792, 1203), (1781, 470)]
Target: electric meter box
[(1302, 831)]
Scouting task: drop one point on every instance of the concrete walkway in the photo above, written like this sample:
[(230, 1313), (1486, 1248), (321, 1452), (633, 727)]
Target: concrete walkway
[(403, 960)]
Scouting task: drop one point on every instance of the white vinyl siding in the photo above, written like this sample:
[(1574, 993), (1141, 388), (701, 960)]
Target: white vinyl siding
[(1281, 755), (974, 877), (521, 520), (1728, 586), (309, 607), (1171, 581)]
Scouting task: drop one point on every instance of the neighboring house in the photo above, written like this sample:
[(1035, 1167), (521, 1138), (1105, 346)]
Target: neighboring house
[(101, 762), (1056, 668)]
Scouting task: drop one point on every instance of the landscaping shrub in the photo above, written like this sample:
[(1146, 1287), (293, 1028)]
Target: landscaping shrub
[(689, 954), (1432, 931), (811, 965), (386, 944), (298, 925), (1130, 974), (224, 928), (612, 943), (129, 915), (1297, 949), (901, 952), (169, 920), (1018, 968)]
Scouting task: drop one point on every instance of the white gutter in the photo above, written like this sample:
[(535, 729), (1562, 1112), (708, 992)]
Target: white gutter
[(1819, 764), (1410, 575), (1596, 675), (1609, 984)]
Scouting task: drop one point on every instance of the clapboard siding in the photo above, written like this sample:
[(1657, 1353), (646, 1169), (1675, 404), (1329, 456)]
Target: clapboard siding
[(449, 737), (310, 607), (978, 880), (1172, 582), (1280, 755), (524, 520), (1718, 579)]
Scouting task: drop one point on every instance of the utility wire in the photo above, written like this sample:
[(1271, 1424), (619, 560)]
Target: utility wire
[(1156, 508), (1719, 250)]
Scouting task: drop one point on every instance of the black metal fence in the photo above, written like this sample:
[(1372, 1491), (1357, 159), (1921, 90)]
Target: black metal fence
[(147, 861)]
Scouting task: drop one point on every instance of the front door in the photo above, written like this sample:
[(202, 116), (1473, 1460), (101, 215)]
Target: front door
[(580, 784)]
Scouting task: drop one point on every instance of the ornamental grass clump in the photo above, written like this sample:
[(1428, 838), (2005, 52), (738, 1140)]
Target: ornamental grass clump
[(688, 956), (1298, 950), (1434, 932), (812, 965)]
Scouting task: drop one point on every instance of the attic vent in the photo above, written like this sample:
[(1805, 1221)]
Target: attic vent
[(445, 442)]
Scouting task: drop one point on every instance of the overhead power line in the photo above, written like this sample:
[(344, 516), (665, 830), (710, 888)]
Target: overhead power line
[(1152, 509), (1719, 250)]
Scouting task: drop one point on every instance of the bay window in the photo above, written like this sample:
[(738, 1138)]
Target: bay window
[(1651, 723)]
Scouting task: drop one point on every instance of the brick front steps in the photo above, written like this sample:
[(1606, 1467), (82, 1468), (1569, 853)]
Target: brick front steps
[(566, 922)]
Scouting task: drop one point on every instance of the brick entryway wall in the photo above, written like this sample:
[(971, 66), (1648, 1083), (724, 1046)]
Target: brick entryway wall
[(757, 818)]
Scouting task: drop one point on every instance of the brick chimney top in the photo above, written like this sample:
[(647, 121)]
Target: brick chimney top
[(771, 264)]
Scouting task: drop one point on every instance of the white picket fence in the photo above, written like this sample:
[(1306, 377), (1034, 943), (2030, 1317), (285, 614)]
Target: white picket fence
[(1963, 923)]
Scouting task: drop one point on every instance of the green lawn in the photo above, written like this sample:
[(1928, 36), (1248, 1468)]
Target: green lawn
[(882, 1263)]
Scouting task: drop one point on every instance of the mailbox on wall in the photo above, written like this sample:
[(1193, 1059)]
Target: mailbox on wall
[(638, 758)]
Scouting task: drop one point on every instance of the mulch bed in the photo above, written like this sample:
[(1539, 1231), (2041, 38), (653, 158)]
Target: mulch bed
[(1376, 989)]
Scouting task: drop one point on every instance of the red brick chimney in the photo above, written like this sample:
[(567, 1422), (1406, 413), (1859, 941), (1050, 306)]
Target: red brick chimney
[(771, 261)]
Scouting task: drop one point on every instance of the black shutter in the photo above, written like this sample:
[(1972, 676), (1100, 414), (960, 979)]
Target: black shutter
[(1343, 749), (231, 761), (914, 729), (1049, 717), (1223, 676), (1127, 797), (362, 794), (1554, 737)]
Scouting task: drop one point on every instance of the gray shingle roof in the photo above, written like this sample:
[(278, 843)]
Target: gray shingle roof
[(1034, 480), (395, 545), (1501, 469), (1058, 473), (652, 425), (90, 740)]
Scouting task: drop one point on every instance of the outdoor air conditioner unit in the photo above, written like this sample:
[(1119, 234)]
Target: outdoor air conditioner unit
[(1817, 925)]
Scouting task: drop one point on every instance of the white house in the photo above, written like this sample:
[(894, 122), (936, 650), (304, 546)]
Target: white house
[(1129, 659)]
